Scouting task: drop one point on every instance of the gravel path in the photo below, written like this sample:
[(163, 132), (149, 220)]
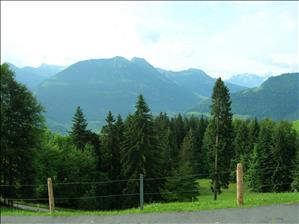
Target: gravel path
[(283, 213)]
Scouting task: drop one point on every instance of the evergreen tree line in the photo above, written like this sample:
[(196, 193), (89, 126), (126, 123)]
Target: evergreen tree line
[(101, 170)]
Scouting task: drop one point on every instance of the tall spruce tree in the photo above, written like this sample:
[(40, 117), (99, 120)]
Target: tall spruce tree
[(110, 147), (111, 154), (140, 153), (78, 132), (219, 137), (162, 129)]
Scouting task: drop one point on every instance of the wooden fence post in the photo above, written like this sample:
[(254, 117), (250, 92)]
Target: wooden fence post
[(240, 184), (51, 195)]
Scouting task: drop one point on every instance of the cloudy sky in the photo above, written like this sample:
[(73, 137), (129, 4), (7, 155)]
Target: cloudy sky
[(222, 38)]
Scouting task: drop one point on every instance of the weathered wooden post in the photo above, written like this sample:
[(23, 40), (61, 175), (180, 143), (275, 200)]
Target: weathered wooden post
[(141, 192), (51, 195), (240, 184)]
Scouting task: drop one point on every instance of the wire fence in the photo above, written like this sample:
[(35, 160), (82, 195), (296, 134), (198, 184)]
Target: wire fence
[(145, 180)]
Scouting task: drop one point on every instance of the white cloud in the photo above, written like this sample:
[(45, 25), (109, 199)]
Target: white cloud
[(219, 37)]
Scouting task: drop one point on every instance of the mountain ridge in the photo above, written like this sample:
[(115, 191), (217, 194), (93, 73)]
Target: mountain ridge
[(276, 98), (112, 84)]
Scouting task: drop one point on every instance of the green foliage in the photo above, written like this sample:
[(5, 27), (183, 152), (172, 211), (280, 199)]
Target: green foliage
[(85, 166), (21, 129), (284, 152), (140, 152), (218, 137), (181, 185), (261, 168), (167, 142), (111, 136), (65, 164), (296, 125), (182, 182), (78, 133), (295, 182), (273, 157), (241, 144)]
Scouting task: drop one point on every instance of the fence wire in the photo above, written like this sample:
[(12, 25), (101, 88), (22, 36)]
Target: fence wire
[(93, 183)]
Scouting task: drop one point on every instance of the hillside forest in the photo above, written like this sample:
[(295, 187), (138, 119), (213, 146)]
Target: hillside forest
[(100, 170)]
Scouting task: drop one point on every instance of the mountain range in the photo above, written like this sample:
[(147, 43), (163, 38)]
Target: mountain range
[(32, 77), (100, 85), (197, 81), (248, 80), (276, 98)]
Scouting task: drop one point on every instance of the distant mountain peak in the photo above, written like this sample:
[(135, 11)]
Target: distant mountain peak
[(119, 58), (247, 79), (195, 70), (140, 61)]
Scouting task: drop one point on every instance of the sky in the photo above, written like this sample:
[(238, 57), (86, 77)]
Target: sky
[(221, 38)]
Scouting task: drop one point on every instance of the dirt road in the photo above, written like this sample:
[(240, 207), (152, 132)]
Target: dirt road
[(264, 214)]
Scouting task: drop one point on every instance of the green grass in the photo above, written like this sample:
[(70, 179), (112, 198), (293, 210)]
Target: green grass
[(203, 202)]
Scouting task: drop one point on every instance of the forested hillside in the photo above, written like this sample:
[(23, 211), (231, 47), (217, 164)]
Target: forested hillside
[(276, 98), (109, 84), (101, 85), (197, 81)]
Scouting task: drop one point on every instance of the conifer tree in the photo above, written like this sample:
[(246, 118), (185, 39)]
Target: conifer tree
[(111, 156), (253, 133), (261, 168), (119, 137), (241, 147), (78, 132), (295, 182), (284, 152), (179, 128), (201, 157), (165, 135), (189, 150), (219, 137), (119, 125), (182, 185), (110, 147), (94, 140), (140, 153)]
